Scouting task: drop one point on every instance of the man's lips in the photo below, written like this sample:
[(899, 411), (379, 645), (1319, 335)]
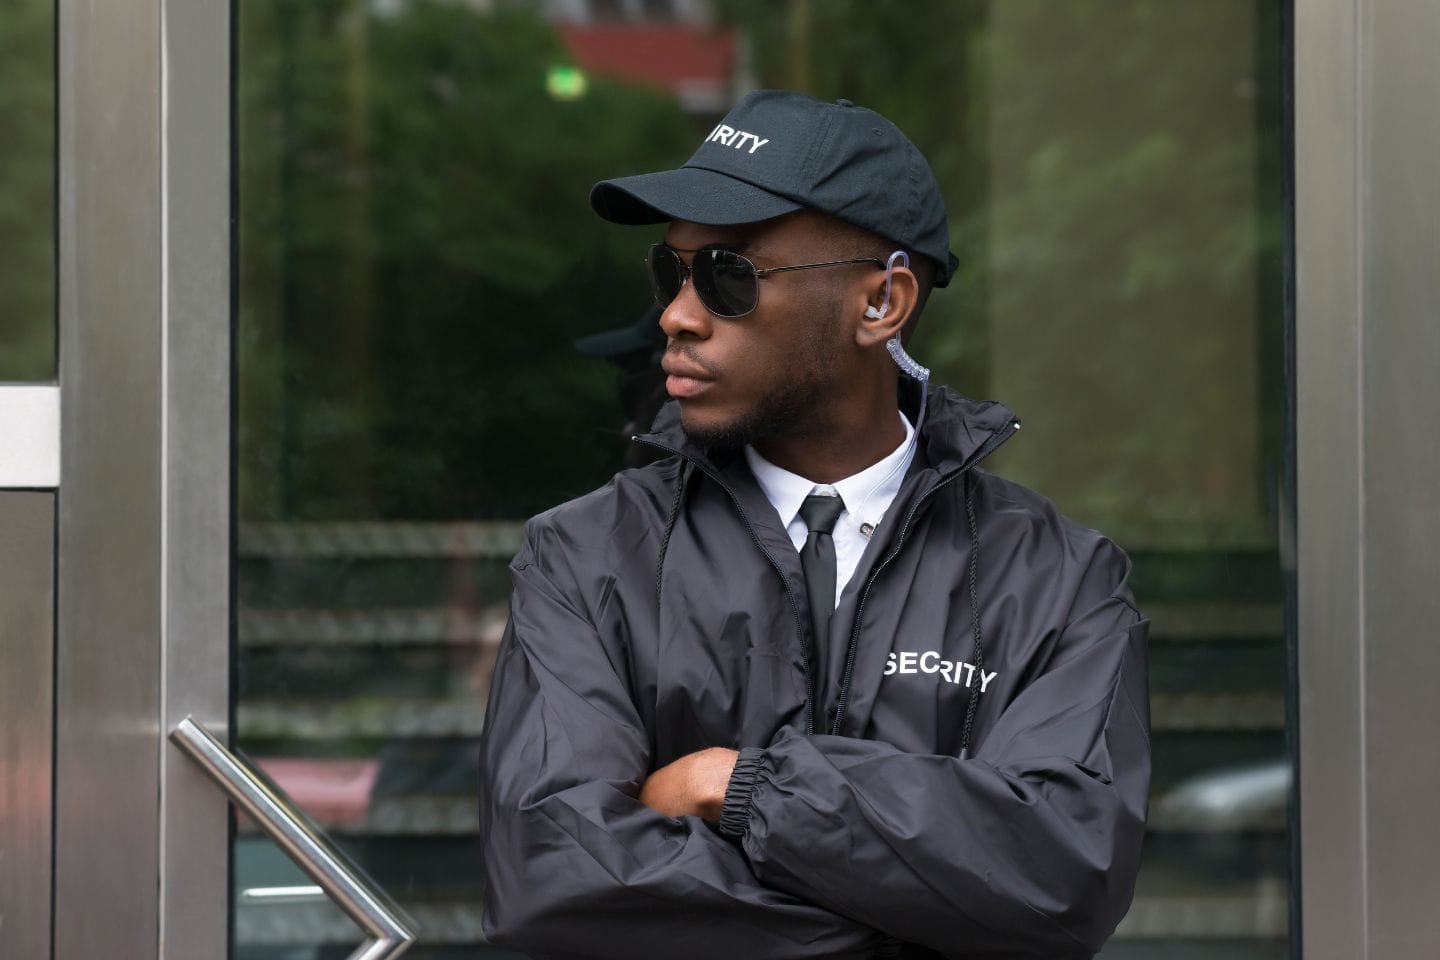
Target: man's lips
[(686, 388), (683, 379)]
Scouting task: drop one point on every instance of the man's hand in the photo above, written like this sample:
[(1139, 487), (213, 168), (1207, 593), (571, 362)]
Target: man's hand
[(693, 786)]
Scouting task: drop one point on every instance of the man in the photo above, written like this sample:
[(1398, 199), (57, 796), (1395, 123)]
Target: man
[(737, 715), (635, 353)]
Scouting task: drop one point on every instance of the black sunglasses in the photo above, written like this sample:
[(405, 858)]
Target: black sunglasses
[(727, 283)]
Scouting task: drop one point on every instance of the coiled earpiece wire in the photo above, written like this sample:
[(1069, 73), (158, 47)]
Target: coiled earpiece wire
[(910, 368)]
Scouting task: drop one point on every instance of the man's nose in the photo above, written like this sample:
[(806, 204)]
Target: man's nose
[(686, 315)]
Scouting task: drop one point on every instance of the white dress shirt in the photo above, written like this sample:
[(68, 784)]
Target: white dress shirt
[(867, 495)]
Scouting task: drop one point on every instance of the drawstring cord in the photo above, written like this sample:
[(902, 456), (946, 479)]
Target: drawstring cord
[(681, 476), (973, 700)]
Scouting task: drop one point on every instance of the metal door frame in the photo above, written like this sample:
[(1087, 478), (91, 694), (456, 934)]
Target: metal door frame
[(143, 535), (1367, 140)]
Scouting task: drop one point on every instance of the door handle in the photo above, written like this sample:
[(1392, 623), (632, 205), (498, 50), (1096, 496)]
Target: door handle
[(391, 932)]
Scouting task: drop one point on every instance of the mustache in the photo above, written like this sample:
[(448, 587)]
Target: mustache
[(688, 352)]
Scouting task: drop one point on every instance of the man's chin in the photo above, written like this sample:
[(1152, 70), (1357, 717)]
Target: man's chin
[(713, 431), (779, 413)]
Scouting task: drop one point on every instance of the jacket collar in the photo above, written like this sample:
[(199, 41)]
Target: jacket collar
[(956, 430)]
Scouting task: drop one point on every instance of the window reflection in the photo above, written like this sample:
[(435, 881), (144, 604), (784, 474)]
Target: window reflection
[(27, 190), (417, 262)]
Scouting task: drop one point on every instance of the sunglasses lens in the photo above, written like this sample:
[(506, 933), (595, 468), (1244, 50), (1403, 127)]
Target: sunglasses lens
[(666, 272), (725, 282)]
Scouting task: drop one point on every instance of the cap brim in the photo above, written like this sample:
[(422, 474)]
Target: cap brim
[(642, 335), (689, 193), (612, 343)]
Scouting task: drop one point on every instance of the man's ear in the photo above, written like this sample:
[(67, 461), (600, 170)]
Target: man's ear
[(878, 322)]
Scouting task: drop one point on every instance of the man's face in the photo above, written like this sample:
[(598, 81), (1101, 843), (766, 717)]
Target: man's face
[(774, 372)]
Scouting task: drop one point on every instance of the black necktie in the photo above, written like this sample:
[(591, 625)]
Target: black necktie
[(817, 560)]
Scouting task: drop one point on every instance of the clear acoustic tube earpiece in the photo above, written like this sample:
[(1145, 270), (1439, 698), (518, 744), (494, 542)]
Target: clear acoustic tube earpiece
[(904, 260), (902, 359), (906, 362), (910, 368)]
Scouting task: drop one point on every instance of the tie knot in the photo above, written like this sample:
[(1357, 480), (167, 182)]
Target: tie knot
[(820, 512)]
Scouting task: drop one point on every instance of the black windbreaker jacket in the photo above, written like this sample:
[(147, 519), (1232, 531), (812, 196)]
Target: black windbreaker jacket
[(665, 613)]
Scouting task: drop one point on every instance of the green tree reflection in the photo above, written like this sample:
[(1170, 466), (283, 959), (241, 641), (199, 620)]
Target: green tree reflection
[(417, 255), (27, 190)]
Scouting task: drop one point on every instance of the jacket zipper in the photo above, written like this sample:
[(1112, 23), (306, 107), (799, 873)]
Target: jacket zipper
[(789, 594), (853, 645)]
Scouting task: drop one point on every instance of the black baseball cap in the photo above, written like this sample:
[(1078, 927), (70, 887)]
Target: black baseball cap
[(777, 152)]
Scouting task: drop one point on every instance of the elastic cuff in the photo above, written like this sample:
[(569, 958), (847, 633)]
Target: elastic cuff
[(735, 811)]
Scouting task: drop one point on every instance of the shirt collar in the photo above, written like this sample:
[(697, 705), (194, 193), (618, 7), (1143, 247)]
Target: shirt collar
[(867, 494)]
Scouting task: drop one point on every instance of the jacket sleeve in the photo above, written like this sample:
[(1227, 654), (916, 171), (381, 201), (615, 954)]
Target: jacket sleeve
[(1029, 848), (575, 865)]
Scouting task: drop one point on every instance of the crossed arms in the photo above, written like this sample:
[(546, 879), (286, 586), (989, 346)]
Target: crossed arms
[(845, 846)]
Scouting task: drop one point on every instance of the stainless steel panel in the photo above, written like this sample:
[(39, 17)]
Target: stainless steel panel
[(108, 735), (1400, 352), (27, 642), (1367, 146), (194, 828), (390, 931), (1328, 495)]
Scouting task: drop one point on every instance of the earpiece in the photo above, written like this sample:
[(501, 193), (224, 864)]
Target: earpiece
[(910, 368), (879, 314)]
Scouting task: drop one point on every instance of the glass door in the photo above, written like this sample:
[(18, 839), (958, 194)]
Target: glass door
[(29, 472), (437, 339)]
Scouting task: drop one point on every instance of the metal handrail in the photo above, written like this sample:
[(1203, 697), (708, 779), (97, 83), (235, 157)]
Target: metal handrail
[(391, 932)]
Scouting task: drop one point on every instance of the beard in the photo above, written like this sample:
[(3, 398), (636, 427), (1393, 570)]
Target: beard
[(787, 408), (796, 405)]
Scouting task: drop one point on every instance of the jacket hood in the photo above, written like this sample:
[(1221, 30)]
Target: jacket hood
[(955, 430)]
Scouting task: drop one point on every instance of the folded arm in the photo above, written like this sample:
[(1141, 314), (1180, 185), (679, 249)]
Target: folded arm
[(576, 865), (1029, 848)]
